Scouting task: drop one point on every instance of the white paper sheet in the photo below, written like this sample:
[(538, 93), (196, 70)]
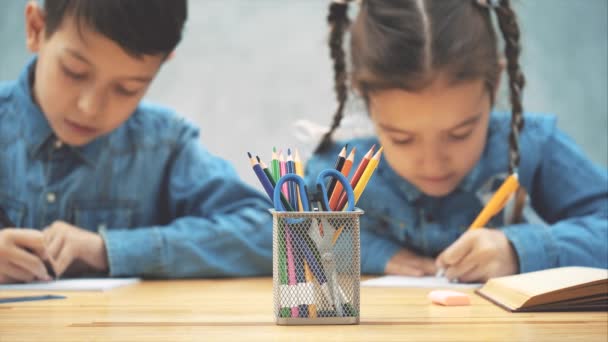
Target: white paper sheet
[(84, 284), (427, 282)]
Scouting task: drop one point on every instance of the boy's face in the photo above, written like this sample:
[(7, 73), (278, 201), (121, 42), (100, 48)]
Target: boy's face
[(85, 83), (434, 137)]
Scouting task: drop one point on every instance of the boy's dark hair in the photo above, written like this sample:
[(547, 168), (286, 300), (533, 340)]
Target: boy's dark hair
[(406, 43), (140, 27)]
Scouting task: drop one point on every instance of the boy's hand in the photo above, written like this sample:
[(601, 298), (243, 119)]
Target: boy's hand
[(409, 264), (22, 256), (66, 243), (479, 255)]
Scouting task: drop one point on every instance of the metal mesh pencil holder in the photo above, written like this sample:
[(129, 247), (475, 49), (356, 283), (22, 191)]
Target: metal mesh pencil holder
[(316, 267)]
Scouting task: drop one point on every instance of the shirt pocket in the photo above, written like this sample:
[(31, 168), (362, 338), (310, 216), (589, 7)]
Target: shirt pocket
[(101, 215), (13, 209)]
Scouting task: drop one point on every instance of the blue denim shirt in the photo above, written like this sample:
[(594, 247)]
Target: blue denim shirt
[(567, 191), (163, 204)]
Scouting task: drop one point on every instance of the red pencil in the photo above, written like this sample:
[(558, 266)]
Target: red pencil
[(348, 164), (356, 176)]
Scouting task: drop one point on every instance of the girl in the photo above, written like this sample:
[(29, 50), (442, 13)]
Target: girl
[(428, 72)]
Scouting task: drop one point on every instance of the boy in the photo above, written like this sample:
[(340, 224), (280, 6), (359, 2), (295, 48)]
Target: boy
[(92, 180)]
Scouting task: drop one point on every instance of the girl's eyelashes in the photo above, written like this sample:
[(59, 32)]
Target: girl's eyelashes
[(72, 74), (401, 140), (460, 136)]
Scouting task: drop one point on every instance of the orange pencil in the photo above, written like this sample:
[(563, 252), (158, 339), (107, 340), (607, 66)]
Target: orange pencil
[(356, 176), (348, 164)]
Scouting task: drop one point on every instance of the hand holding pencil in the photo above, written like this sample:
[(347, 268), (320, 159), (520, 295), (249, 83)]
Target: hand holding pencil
[(480, 254)]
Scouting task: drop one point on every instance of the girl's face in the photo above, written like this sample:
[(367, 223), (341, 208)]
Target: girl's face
[(433, 137)]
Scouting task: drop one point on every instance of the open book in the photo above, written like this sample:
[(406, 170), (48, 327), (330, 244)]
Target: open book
[(556, 289)]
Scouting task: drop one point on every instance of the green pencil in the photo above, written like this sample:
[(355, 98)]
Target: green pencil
[(273, 182), (276, 169)]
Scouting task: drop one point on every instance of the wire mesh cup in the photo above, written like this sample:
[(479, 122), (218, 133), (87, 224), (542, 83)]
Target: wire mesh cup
[(316, 268)]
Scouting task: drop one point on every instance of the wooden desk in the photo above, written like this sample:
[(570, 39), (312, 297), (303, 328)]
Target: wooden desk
[(241, 309)]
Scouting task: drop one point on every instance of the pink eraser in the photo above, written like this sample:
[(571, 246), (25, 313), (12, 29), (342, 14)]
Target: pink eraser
[(449, 298)]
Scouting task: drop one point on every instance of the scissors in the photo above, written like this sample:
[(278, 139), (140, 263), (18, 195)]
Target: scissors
[(317, 198)]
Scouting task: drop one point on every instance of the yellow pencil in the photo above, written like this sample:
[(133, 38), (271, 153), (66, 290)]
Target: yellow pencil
[(497, 202), (312, 308), (367, 174), (493, 207)]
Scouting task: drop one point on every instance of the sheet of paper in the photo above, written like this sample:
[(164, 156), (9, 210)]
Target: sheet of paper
[(84, 284), (402, 281)]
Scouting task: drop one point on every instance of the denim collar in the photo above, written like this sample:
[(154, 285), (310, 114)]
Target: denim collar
[(40, 135)]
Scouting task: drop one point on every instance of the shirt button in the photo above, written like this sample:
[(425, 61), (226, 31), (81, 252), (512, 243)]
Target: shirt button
[(58, 144), (50, 197)]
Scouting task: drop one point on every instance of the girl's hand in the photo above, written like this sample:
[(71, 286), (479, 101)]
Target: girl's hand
[(409, 264), (67, 244), (22, 256), (478, 255)]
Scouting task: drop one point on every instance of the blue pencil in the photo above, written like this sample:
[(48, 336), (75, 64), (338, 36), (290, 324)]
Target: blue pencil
[(293, 193), (261, 176)]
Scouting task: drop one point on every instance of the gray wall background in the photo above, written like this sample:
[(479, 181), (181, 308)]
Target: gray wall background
[(246, 70)]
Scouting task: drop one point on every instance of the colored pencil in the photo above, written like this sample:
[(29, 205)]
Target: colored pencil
[(261, 176), (266, 170), (335, 195), (284, 310), (274, 163), (291, 270), (338, 167), (300, 172), (367, 174), (312, 308), (283, 170), (291, 186), (356, 176)]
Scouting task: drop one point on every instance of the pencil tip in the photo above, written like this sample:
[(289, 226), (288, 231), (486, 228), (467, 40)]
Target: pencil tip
[(274, 149), (288, 151), (249, 154), (258, 158)]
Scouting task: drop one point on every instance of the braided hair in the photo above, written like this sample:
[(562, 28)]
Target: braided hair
[(338, 22), (404, 44), (510, 31)]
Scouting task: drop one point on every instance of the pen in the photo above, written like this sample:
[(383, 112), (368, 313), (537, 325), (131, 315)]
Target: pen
[(28, 298), (493, 207)]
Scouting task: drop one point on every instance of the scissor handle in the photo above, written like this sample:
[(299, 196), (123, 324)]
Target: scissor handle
[(345, 184), (278, 206)]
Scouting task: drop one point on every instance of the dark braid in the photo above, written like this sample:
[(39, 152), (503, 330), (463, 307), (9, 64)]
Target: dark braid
[(510, 31), (338, 21)]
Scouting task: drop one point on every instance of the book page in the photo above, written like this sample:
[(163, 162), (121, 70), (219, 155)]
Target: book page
[(545, 281), (424, 282), (83, 284)]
